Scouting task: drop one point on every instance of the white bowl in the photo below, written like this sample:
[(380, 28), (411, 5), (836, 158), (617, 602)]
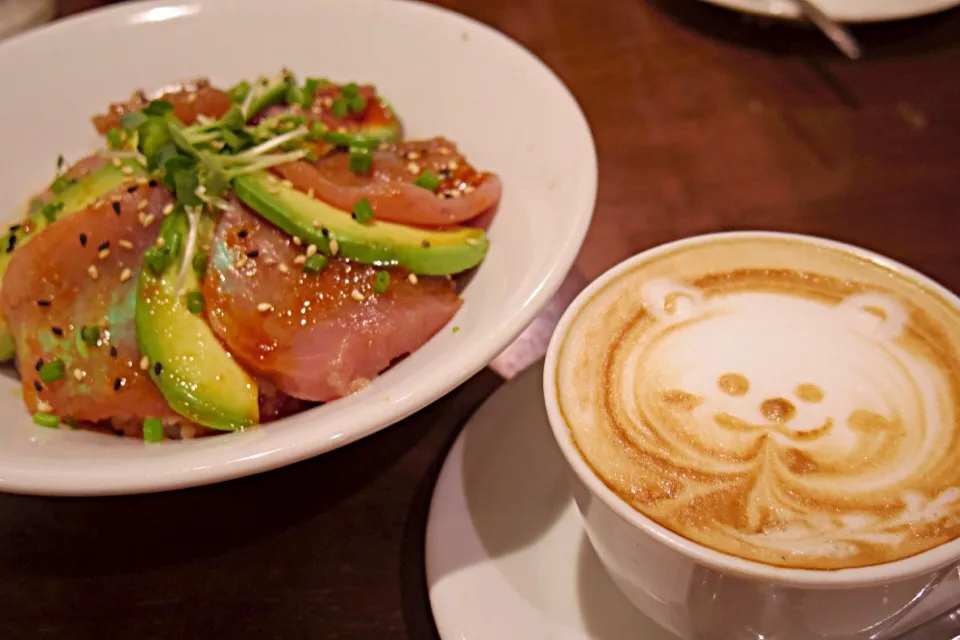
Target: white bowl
[(444, 73)]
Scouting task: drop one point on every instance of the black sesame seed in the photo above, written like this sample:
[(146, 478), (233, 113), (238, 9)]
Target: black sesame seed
[(117, 383), (103, 245), (37, 385), (132, 188), (253, 253), (43, 303), (242, 233), (152, 183), (113, 351), (38, 364), (326, 232), (11, 244), (14, 227), (116, 207), (425, 244), (83, 239), (157, 368), (57, 331), (353, 215)]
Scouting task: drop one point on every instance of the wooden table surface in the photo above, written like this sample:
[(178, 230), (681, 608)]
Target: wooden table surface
[(704, 120)]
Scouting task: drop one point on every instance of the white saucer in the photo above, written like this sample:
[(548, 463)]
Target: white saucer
[(506, 556), (843, 10)]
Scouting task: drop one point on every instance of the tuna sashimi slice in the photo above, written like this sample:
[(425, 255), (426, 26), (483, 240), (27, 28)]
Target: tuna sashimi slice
[(315, 336), (463, 193), (81, 271), (188, 102)]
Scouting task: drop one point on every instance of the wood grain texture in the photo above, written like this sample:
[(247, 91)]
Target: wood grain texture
[(704, 120)]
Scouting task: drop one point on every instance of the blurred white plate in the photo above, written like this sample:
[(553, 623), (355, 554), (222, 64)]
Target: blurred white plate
[(444, 73), (843, 10)]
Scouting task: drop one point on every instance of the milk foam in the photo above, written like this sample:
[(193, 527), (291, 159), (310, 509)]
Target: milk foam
[(784, 426)]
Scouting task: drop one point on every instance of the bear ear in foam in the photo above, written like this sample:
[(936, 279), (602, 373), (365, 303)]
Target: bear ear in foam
[(670, 300), (874, 314)]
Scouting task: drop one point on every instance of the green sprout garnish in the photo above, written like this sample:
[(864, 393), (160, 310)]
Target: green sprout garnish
[(239, 91)]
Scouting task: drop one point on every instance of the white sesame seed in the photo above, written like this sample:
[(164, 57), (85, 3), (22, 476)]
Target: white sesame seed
[(469, 189), (300, 259), (297, 241), (141, 205), (187, 432), (413, 167), (311, 250), (125, 244), (310, 192), (334, 247), (263, 307), (126, 171), (287, 184), (103, 253), (242, 260), (125, 275), (471, 241), (44, 407), (79, 374), (147, 220), (272, 179), (192, 97), (159, 242), (144, 363), (317, 224), (116, 162), (93, 271), (412, 278), (413, 155), (453, 165), (356, 295), (283, 268), (167, 210)]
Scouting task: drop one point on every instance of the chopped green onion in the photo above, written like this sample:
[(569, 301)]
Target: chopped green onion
[(50, 210), (52, 370), (35, 205), (428, 180), (199, 263), (345, 139), (317, 130), (381, 280), (157, 259), (358, 103), (362, 211), (70, 422), (152, 429), (239, 91), (60, 184), (90, 334), (360, 160), (315, 263), (340, 107), (46, 420), (349, 90), (195, 302)]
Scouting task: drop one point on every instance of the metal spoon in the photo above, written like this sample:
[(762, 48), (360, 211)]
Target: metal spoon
[(837, 33)]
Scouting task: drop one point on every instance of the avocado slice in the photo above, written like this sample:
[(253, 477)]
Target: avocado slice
[(422, 251), (197, 376), (75, 197)]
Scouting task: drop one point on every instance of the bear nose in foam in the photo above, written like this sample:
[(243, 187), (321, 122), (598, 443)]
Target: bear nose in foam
[(777, 409)]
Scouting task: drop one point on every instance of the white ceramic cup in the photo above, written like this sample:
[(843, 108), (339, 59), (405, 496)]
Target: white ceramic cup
[(699, 593)]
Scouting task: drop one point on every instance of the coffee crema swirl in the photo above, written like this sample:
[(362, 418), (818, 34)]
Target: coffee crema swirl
[(782, 402)]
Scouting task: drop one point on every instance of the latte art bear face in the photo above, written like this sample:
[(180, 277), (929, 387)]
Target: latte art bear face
[(787, 417)]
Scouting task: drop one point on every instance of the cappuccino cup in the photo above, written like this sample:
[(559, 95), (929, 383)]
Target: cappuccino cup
[(763, 434)]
